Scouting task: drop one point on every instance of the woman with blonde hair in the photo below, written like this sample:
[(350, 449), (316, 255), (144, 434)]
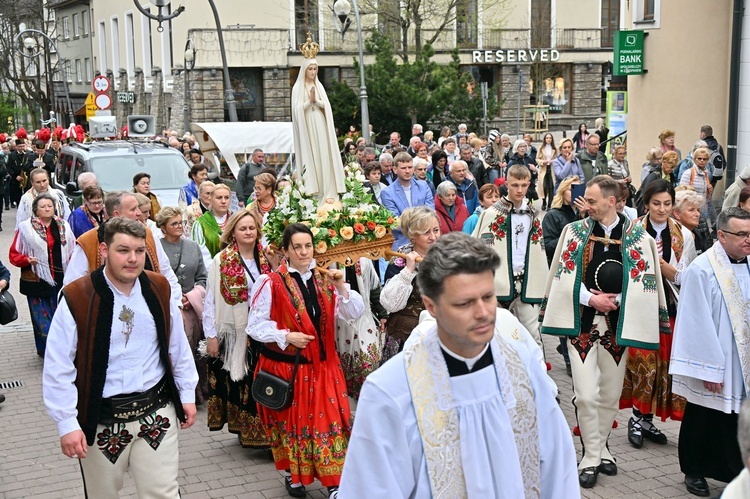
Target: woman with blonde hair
[(232, 355), (400, 296), (564, 211), (666, 141), (187, 264), (566, 164)]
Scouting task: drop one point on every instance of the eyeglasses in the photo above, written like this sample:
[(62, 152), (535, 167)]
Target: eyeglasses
[(95, 203), (174, 225), (741, 235)]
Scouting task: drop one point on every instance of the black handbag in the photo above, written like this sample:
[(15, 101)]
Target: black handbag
[(273, 392), (8, 309)]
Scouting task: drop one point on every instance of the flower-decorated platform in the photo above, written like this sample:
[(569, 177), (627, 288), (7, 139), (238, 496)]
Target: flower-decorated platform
[(343, 232)]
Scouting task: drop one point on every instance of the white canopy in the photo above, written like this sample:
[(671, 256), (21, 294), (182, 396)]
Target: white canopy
[(235, 142)]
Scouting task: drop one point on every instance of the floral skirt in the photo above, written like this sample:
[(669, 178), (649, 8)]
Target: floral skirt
[(360, 346), (310, 437), (648, 384), (41, 310), (231, 403)]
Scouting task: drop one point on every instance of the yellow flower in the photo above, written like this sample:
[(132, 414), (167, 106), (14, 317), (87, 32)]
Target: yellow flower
[(379, 231), (315, 231), (347, 233), (321, 247), (305, 222)]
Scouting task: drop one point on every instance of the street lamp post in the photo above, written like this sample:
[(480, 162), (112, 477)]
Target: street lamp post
[(341, 10), (189, 65), (160, 18), (30, 44)]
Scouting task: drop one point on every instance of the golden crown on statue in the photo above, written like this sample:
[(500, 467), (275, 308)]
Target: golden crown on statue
[(310, 48)]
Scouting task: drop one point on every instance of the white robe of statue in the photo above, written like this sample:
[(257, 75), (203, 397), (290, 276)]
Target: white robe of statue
[(318, 162)]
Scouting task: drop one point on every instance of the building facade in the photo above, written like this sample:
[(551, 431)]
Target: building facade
[(555, 53)]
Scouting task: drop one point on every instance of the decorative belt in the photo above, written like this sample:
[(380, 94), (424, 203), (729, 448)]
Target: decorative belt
[(281, 357), (133, 406)]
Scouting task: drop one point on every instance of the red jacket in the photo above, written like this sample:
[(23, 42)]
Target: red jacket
[(461, 214)]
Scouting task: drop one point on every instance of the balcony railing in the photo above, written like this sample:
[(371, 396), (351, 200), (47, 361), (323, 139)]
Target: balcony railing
[(565, 38)]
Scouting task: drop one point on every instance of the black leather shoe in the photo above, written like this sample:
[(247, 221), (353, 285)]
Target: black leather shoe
[(294, 491), (587, 477), (697, 486), (608, 467), (2, 398), (655, 435), (568, 369), (635, 433)]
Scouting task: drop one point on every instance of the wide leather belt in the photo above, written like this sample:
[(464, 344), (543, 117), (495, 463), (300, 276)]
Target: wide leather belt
[(133, 406)]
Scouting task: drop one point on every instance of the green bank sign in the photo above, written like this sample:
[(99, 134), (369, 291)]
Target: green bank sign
[(628, 53)]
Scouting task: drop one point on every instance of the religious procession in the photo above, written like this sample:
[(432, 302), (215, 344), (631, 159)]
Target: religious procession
[(371, 318)]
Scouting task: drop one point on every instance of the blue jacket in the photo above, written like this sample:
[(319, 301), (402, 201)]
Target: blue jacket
[(468, 191), (394, 198)]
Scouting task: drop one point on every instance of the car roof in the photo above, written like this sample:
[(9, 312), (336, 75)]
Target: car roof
[(118, 148)]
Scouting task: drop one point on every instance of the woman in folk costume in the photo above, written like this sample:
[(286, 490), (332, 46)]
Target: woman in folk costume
[(294, 310), (233, 355), (38, 239), (648, 385), (400, 296), (208, 228), (315, 144), (360, 341)]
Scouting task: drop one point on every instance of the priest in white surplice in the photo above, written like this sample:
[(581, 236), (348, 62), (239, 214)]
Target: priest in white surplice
[(710, 363), (467, 410)]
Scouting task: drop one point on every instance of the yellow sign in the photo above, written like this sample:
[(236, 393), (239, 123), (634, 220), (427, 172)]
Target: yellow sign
[(91, 108)]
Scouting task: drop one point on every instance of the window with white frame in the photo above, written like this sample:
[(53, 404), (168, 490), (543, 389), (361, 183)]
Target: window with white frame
[(79, 71), (76, 26), (647, 13), (85, 22), (66, 28), (115, 44), (87, 69), (102, 47), (68, 71)]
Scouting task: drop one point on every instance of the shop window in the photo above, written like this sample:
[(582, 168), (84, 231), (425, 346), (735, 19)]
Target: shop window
[(247, 84), (549, 85)]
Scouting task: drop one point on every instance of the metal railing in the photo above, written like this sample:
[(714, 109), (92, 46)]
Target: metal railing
[(467, 38)]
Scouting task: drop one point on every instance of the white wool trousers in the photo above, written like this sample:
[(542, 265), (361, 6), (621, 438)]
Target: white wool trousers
[(152, 457)]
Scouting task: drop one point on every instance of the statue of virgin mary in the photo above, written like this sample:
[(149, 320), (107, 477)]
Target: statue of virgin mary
[(317, 157)]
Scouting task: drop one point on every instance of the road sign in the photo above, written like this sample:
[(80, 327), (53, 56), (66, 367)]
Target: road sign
[(101, 84), (628, 58), (90, 105), (103, 101)]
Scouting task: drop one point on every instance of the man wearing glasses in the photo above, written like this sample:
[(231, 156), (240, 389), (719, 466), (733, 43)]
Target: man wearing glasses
[(710, 364)]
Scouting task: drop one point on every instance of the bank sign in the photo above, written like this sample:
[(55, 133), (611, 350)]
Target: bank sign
[(628, 53)]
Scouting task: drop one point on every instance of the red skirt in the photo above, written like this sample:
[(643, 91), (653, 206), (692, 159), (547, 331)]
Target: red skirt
[(310, 437), (648, 384)]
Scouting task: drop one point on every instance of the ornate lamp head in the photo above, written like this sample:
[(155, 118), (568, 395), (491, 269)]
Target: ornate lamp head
[(310, 48)]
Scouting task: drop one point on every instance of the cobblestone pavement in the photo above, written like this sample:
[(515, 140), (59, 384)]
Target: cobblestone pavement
[(212, 464)]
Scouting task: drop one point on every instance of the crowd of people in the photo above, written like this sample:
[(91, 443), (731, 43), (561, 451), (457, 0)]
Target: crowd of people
[(429, 367)]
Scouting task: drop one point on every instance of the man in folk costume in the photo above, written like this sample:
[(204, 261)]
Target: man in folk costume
[(710, 364), (605, 294), (512, 229), (39, 184), (20, 163), (462, 411), (207, 229), (118, 372), (87, 258)]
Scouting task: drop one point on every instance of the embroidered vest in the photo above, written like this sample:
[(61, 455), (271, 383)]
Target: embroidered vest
[(91, 303)]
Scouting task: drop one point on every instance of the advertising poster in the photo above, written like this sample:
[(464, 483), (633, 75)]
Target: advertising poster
[(617, 118)]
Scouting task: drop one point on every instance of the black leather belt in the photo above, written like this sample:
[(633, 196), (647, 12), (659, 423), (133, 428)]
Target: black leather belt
[(281, 357), (133, 406)]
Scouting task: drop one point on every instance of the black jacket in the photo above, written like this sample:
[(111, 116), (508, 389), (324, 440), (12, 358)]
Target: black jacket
[(477, 169), (552, 226)]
